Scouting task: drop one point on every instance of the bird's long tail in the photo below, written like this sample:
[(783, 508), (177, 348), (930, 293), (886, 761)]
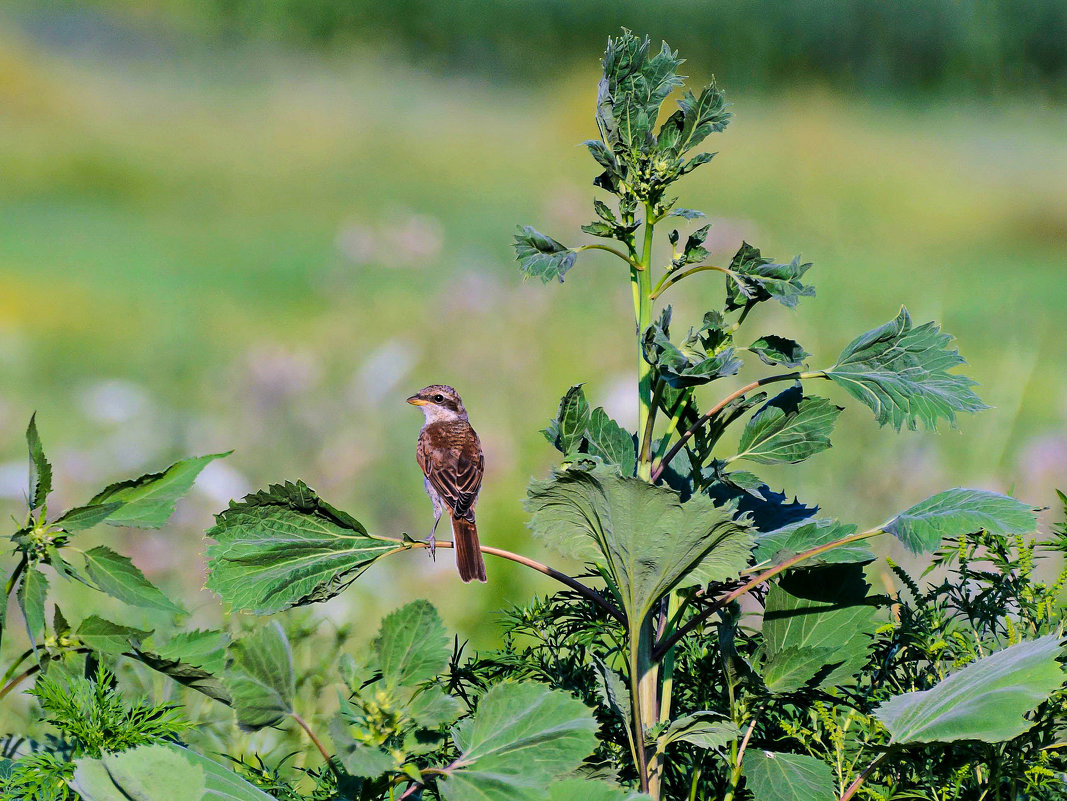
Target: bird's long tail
[(468, 554)]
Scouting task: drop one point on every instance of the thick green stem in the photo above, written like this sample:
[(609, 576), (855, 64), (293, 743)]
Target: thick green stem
[(642, 281), (670, 279)]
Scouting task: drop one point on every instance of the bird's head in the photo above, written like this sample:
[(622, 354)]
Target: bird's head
[(439, 402)]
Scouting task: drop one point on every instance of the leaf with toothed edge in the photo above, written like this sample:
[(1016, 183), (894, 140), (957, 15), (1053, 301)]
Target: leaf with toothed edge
[(541, 256), (40, 469), (957, 512)]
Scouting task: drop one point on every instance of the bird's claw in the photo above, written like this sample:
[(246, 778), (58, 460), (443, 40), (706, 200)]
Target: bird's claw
[(431, 546)]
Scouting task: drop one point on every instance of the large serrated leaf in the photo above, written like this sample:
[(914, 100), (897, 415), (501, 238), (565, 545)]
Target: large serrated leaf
[(986, 700), (754, 278), (40, 469), (260, 678), (901, 373), (116, 575), (789, 428), (541, 256), (775, 776), (645, 537), (412, 645), (83, 517), (148, 501), (522, 737), (774, 547), (286, 547), (611, 442), (956, 512), (108, 637)]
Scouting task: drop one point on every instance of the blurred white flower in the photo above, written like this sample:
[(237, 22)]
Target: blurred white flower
[(114, 400)]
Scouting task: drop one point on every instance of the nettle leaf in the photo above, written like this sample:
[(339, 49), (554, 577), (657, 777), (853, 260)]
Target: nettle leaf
[(260, 679), (192, 659), (107, 637), (756, 278), (788, 429), (695, 119), (522, 737), (146, 773), (285, 547), (987, 700), (901, 373), (817, 628), (589, 790), (83, 517), (116, 575), (572, 419), (708, 730), (689, 364), (32, 594), (148, 501), (611, 442), (775, 350), (541, 256), (957, 512), (40, 469), (412, 645), (774, 547), (643, 535), (774, 776), (688, 214)]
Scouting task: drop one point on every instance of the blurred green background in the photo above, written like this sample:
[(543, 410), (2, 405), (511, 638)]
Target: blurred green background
[(261, 225)]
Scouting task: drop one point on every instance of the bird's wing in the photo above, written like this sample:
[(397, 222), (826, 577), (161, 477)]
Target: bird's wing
[(454, 469)]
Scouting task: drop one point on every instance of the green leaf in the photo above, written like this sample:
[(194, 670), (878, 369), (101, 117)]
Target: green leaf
[(774, 776), (901, 373), (689, 214), (568, 429), (285, 547), (696, 118), (774, 547), (107, 637), (645, 537), (192, 659), (116, 575), (359, 759), (148, 501), (147, 774), (775, 350), (521, 738), (957, 512), (987, 700), (707, 730), (689, 364), (412, 645), (612, 690), (756, 278), (817, 628), (789, 428), (542, 256), (433, 707), (260, 679), (587, 790), (33, 591), (40, 469), (83, 517), (611, 442)]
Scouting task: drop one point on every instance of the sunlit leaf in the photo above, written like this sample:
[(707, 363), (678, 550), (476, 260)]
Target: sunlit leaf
[(31, 596), (956, 512), (285, 547), (901, 373), (116, 575), (588, 790), (108, 637), (987, 700), (40, 469), (260, 678), (775, 350), (774, 776), (774, 547), (708, 730), (83, 517), (542, 256), (412, 645), (611, 442), (756, 278), (148, 501), (568, 429), (788, 429)]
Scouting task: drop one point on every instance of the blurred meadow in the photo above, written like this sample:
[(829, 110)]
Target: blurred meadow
[(215, 235)]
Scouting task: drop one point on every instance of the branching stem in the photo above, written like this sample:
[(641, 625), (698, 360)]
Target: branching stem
[(318, 743), (670, 279), (632, 262)]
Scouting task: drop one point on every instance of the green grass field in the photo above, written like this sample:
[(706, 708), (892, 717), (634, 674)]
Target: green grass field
[(268, 252)]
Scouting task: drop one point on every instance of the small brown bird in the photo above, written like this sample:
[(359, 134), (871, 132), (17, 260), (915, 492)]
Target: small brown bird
[(450, 456)]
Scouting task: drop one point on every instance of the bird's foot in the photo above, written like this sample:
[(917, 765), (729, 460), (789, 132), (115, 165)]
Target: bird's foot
[(431, 545)]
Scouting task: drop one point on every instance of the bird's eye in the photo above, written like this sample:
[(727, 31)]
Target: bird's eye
[(438, 398)]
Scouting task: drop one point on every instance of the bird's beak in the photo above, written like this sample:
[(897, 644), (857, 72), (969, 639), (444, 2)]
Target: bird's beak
[(415, 400)]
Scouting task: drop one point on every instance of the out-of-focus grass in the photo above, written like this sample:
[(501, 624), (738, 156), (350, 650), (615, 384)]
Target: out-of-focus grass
[(269, 252)]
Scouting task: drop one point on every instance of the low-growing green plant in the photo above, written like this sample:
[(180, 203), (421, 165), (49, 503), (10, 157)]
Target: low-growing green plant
[(722, 641)]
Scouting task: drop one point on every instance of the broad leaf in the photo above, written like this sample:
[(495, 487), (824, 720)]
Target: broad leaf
[(147, 773), (755, 278), (119, 577), (542, 256), (83, 517), (412, 645), (987, 700), (774, 776), (33, 591), (957, 512), (698, 360), (645, 537), (817, 628), (788, 429), (40, 469), (611, 442), (107, 637), (588, 790), (260, 678), (192, 659), (521, 738), (359, 759), (708, 730), (901, 373), (774, 547), (286, 547), (568, 429), (775, 350), (689, 214), (696, 118), (148, 501)]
